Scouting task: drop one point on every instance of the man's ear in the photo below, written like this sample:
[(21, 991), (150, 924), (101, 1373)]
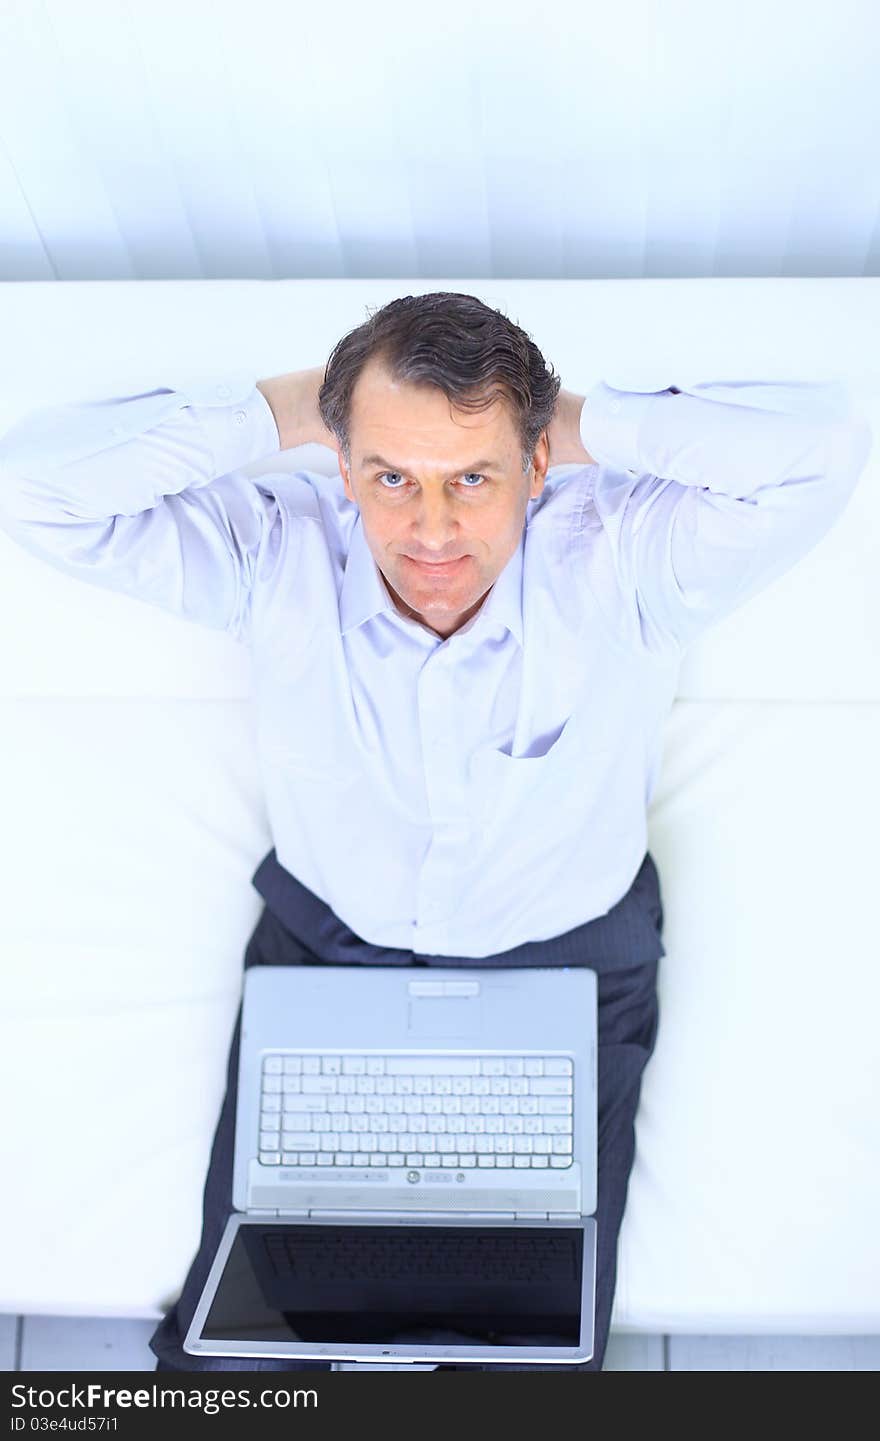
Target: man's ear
[(344, 472), (540, 463)]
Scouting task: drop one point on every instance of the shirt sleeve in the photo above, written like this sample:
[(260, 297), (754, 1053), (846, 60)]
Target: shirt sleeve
[(707, 492), (140, 493)]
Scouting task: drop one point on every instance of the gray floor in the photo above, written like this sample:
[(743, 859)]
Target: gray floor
[(86, 1343)]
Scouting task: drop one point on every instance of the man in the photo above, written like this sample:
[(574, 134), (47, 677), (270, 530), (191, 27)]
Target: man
[(464, 647)]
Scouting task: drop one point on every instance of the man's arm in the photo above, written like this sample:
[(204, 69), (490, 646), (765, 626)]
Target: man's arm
[(709, 492), (564, 431), (140, 494)]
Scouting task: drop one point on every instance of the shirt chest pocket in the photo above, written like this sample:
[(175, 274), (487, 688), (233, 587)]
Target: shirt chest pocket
[(563, 778)]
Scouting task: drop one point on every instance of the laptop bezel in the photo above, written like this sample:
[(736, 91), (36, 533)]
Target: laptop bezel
[(195, 1346)]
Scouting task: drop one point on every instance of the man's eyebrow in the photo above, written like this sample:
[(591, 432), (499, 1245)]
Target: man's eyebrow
[(459, 470)]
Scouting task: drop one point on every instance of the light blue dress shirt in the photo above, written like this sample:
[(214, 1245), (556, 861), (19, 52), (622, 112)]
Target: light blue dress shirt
[(459, 796)]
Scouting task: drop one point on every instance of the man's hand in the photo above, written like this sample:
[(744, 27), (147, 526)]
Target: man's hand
[(563, 432), (294, 402)]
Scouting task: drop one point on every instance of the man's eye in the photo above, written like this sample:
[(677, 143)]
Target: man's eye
[(390, 477)]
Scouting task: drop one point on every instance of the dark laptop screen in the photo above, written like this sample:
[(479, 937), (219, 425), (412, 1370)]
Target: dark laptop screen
[(492, 1285)]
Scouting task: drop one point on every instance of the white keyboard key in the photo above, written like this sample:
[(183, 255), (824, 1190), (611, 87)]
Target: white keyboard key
[(432, 1066), (550, 1086), (307, 1158), (554, 1106), (289, 1158), (311, 1065), (271, 1103), (561, 1144), (480, 1086), (422, 1084), (499, 1086), (432, 1160), (343, 1158), (304, 1103), (330, 1065), (270, 1158), (556, 1125), (335, 1104), (385, 1085), (375, 1065), (467, 1158), (271, 1085), (521, 1161), (482, 1144), (534, 1067), (414, 1158), (492, 1068), (558, 1066), (532, 1125), (354, 1066), (366, 1085), (379, 1158), (560, 1161), (502, 1162), (396, 1159), (293, 1065), (403, 1085), (487, 1160), (513, 1068), (540, 1160), (318, 1085), (519, 1086), (291, 1085), (542, 1143), (449, 1159), (272, 1065), (522, 1143), (298, 1140), (324, 1158), (513, 1125), (361, 1158)]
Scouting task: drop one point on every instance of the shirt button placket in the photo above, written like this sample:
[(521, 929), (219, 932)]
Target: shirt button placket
[(443, 787)]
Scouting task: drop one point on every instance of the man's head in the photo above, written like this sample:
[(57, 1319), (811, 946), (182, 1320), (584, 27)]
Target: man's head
[(440, 406)]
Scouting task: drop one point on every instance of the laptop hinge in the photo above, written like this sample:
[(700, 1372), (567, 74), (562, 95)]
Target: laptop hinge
[(335, 1215)]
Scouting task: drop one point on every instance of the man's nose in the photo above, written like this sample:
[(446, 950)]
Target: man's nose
[(436, 524)]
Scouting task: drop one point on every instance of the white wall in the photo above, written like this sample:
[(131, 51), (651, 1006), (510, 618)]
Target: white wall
[(164, 139)]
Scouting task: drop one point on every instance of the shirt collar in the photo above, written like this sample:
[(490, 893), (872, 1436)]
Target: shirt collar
[(364, 593)]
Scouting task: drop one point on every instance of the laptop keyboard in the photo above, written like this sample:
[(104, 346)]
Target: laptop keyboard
[(470, 1112)]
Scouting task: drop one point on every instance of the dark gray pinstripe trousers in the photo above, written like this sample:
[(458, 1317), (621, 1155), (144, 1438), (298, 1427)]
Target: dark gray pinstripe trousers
[(624, 947)]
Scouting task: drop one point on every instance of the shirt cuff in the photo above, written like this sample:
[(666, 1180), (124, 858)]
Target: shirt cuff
[(235, 416), (610, 423)]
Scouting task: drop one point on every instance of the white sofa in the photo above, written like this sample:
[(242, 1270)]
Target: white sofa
[(134, 821)]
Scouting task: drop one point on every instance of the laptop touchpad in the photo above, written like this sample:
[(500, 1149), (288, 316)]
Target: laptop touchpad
[(444, 1015)]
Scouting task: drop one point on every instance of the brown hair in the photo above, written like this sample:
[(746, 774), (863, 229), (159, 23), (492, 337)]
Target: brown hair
[(473, 353)]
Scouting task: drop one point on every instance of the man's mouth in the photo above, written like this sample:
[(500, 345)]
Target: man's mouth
[(446, 567)]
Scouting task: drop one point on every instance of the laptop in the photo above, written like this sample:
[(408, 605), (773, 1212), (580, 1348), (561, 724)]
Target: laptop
[(415, 1169)]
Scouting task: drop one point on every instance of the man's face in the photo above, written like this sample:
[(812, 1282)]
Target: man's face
[(442, 494)]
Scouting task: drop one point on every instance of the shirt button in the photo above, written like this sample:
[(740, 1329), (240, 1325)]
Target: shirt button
[(240, 417), (223, 391), (614, 406)]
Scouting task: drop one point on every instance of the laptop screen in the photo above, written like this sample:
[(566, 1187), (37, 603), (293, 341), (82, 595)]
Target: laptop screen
[(461, 1285)]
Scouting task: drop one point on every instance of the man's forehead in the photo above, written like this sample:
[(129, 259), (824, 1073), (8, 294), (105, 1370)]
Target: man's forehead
[(397, 422)]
